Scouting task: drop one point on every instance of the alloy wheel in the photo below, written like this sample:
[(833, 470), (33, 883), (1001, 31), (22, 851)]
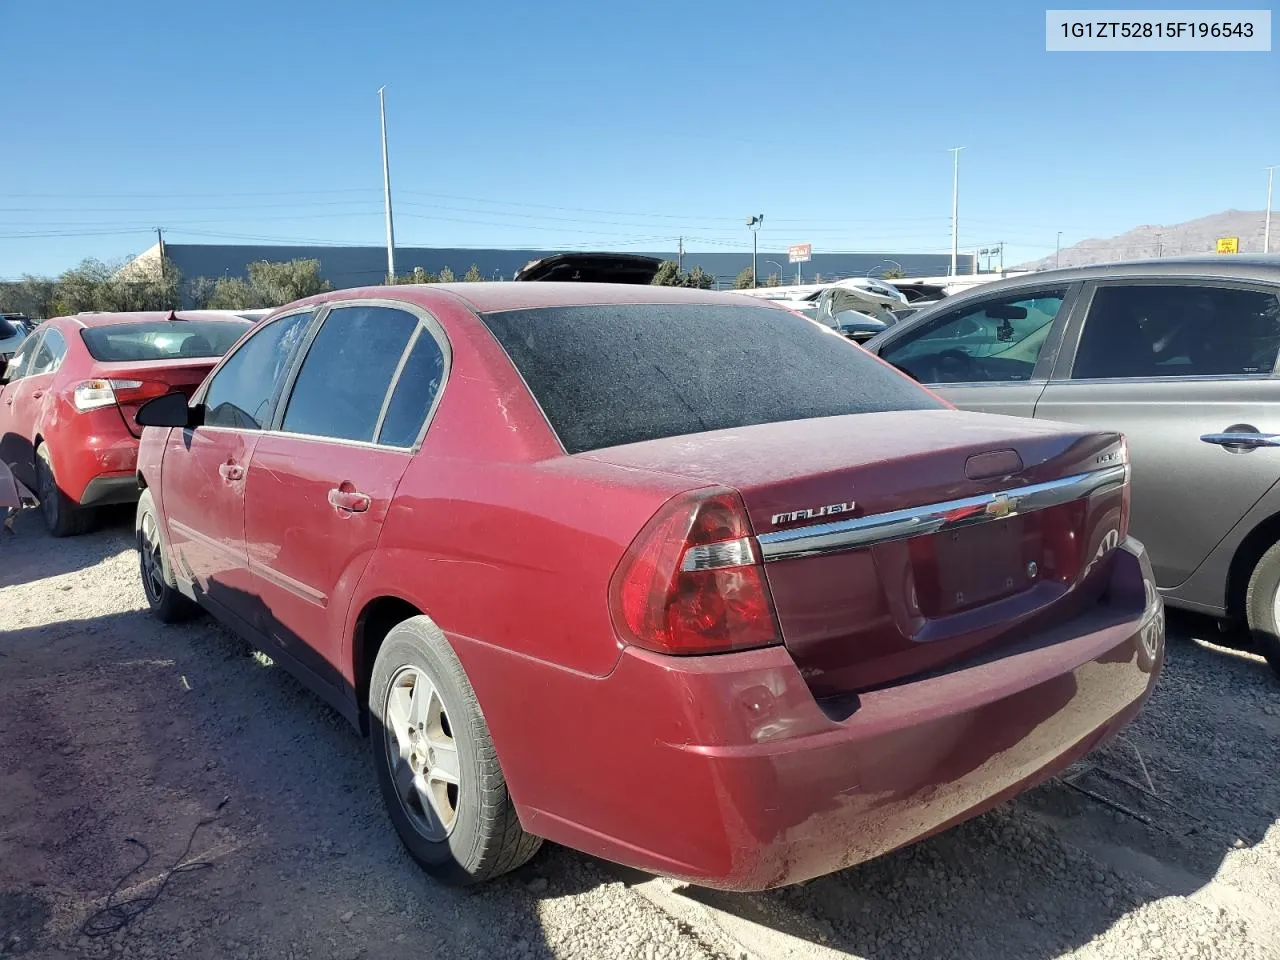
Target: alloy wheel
[(153, 581), (422, 753)]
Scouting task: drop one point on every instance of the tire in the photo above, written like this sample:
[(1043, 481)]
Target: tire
[(1262, 601), (62, 515), (418, 685), (167, 604)]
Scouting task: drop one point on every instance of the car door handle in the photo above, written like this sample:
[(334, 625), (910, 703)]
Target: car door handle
[(231, 472), (1245, 441), (349, 501), (36, 395)]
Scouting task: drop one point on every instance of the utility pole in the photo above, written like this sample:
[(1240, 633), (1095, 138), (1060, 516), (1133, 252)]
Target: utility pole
[(1057, 252), (754, 225), (1159, 245), (1266, 230), (955, 208), (680, 254), (386, 188), (1000, 246), (160, 250)]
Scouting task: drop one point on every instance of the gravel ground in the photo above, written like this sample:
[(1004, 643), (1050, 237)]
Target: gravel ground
[(114, 727)]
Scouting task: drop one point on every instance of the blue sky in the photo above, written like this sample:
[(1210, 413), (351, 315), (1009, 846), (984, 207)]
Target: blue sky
[(604, 125)]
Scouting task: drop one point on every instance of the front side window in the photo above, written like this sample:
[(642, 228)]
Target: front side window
[(1178, 330), (347, 372), (241, 392), (997, 340)]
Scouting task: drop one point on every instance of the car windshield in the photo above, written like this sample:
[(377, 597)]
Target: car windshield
[(162, 340), (623, 373)]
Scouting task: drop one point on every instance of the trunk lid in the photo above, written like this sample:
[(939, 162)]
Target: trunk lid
[(158, 377), (898, 543)]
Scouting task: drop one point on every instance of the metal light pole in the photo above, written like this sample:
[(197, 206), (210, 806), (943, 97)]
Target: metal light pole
[(955, 208), (386, 189), (1266, 230), (754, 225), (781, 271), (1057, 251)]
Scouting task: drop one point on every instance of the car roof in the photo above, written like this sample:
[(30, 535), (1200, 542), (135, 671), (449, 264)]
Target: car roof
[(495, 297), (1258, 266), (149, 316)]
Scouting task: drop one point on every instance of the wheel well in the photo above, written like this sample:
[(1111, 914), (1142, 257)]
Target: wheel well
[(372, 626), (1247, 555)]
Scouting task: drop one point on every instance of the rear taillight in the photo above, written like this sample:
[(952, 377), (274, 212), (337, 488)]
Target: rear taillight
[(92, 394), (692, 581)]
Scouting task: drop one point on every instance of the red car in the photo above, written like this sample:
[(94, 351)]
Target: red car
[(677, 578), (69, 395)]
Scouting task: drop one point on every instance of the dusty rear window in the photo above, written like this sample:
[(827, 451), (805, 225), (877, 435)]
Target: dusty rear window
[(614, 374)]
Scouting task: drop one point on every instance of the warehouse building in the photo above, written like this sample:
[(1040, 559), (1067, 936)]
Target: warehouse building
[(361, 266)]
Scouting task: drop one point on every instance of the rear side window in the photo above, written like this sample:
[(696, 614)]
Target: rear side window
[(347, 372), (614, 374), (162, 340), (1178, 330), (241, 392), (52, 349), (415, 391)]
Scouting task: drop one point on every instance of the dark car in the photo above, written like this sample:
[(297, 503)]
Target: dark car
[(14, 328), (560, 546), (1177, 354), (591, 268)]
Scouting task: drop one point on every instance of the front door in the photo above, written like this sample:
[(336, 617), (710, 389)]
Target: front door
[(15, 432), (990, 354), (321, 485), (1167, 364), (205, 468), (24, 401)]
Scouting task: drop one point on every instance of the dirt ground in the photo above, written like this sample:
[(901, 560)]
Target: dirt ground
[(115, 729)]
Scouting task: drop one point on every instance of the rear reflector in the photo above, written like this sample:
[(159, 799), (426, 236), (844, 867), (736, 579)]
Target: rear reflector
[(692, 582), (92, 394)]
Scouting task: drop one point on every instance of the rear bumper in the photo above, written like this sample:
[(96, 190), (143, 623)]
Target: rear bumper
[(726, 772), (99, 466)]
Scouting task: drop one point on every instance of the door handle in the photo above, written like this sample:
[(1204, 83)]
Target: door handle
[(348, 501), (231, 472), (36, 395), (1243, 441)]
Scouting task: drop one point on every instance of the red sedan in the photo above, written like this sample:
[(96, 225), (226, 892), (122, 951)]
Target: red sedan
[(69, 395), (677, 578)]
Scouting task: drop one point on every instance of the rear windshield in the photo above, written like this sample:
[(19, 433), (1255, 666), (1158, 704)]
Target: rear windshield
[(614, 374), (10, 329), (163, 340)]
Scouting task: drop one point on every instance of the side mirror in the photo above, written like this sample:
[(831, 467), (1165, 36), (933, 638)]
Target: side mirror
[(171, 410)]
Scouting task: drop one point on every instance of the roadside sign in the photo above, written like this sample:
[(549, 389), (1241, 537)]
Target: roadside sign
[(1228, 244), (800, 252)]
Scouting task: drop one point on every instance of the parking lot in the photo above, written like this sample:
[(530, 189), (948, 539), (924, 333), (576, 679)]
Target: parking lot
[(1166, 843)]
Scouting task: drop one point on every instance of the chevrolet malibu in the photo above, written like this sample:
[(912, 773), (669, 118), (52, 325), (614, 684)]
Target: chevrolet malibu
[(677, 578)]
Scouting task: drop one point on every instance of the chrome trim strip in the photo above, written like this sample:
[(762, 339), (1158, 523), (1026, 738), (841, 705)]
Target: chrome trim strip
[(934, 517)]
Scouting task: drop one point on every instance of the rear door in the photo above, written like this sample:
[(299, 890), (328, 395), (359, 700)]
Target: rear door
[(991, 354), (1167, 363), (320, 484), (204, 469), (26, 401), (15, 438)]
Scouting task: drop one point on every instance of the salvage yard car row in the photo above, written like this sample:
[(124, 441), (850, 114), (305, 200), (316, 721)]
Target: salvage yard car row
[(555, 547)]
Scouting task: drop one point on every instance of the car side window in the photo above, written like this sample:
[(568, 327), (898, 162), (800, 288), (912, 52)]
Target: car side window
[(343, 382), (414, 393), (241, 392), (998, 339), (21, 362), (48, 355), (1178, 330)]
